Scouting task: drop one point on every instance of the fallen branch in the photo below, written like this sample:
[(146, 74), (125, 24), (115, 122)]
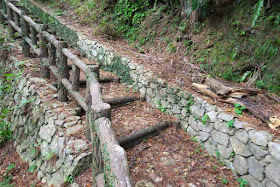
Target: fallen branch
[(137, 154)]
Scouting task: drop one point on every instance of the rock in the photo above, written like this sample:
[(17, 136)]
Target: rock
[(57, 179), (274, 150), (223, 127), (46, 132), (239, 148), (238, 124), (191, 131), (74, 130), (240, 165), (210, 147), (196, 110), (242, 135), (193, 123), (268, 183), (255, 168), (184, 124), (225, 152), (79, 145), (220, 138), (203, 136), (225, 117), (176, 110), (272, 172), (252, 181), (257, 151), (269, 159), (37, 80), (69, 124), (213, 116), (208, 127), (144, 183), (208, 107), (260, 137)]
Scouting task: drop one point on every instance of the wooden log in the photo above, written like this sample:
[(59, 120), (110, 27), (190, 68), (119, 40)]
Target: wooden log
[(25, 33), (121, 100), (34, 36), (113, 155), (14, 8), (13, 24), (75, 78), (17, 19), (2, 19), (62, 72), (52, 54), (34, 48), (32, 23), (51, 38), (101, 80), (10, 18), (256, 109), (75, 60), (78, 97), (44, 53), (135, 137)]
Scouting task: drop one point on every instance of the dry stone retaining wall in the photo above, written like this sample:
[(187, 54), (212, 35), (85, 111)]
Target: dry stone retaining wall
[(249, 153), (44, 131)]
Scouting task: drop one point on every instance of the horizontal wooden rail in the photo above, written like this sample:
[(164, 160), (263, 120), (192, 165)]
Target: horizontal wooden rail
[(75, 60), (34, 47), (13, 24), (51, 38)]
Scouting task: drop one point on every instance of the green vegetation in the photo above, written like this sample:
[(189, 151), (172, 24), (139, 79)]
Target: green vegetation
[(204, 119), (224, 181), (239, 109), (242, 182), (230, 123), (7, 176), (69, 179)]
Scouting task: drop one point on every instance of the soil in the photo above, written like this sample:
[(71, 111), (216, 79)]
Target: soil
[(20, 175), (175, 68), (174, 159)]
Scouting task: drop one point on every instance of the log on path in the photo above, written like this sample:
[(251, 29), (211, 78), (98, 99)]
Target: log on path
[(136, 137)]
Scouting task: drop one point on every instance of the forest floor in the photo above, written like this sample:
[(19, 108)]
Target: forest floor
[(175, 68)]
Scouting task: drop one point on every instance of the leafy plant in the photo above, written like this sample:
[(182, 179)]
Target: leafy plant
[(224, 181), (160, 107), (69, 179), (217, 153), (239, 109), (242, 182), (204, 119), (32, 168), (257, 11), (7, 177), (190, 102), (230, 123)]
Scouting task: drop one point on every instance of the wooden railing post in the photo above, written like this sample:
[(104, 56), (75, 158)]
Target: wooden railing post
[(2, 19), (17, 20), (34, 36), (52, 55), (75, 78), (25, 33), (63, 72), (10, 18), (43, 44)]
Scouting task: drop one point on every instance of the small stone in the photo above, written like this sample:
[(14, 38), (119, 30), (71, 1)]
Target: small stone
[(193, 123), (208, 127), (176, 110), (268, 183), (208, 107), (191, 131), (74, 130), (184, 124), (197, 111), (255, 168), (59, 122), (225, 152), (269, 159), (252, 181), (225, 117), (210, 147), (144, 183), (242, 135), (220, 138), (239, 148), (272, 172), (212, 115), (223, 127), (257, 151), (238, 124), (46, 132), (69, 124), (38, 80), (203, 136), (274, 150), (260, 137), (240, 165)]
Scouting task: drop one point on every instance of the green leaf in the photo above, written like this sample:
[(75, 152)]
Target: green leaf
[(236, 105), (10, 167), (32, 168)]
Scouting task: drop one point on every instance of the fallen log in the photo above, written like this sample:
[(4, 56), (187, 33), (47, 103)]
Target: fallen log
[(121, 101), (137, 137), (256, 109)]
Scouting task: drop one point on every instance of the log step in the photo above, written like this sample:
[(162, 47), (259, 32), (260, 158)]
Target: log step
[(137, 137), (117, 102)]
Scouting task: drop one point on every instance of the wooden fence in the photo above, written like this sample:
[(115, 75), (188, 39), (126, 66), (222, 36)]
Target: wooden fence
[(54, 56)]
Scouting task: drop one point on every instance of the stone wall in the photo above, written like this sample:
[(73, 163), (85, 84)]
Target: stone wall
[(46, 133), (250, 154)]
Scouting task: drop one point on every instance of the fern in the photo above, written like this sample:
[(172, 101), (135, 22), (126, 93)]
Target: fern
[(257, 11)]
